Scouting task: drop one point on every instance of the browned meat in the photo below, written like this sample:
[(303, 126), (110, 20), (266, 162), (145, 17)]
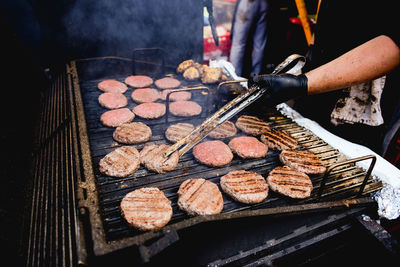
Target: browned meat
[(303, 161), (116, 117), (177, 131), (290, 182), (167, 83), (252, 125), (151, 156), (248, 147), (132, 133), (184, 66), (191, 74), (278, 140), (245, 186), (200, 197), (112, 86), (112, 100), (146, 208), (139, 81), (185, 108), (213, 153), (211, 75), (145, 95), (121, 162), (150, 110), (225, 130)]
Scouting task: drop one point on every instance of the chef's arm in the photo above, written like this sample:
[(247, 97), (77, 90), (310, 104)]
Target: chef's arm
[(364, 63)]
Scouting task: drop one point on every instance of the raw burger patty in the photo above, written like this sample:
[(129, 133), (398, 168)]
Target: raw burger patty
[(290, 182), (116, 117), (213, 153), (185, 108), (146, 208), (151, 156), (150, 110), (303, 161), (198, 196), (225, 130), (245, 186), (278, 140), (176, 96), (139, 81), (252, 125), (248, 147), (112, 100), (145, 95), (112, 86), (177, 131), (121, 162), (167, 83), (132, 133)]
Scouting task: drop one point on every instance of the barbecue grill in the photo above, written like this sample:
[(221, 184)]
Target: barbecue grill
[(75, 215)]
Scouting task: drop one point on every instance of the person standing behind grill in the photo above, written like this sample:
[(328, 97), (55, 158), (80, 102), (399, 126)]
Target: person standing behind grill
[(250, 21)]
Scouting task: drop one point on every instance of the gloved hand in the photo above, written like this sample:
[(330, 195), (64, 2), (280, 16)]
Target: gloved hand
[(281, 88)]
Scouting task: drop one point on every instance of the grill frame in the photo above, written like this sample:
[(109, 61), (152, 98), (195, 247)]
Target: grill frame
[(89, 203)]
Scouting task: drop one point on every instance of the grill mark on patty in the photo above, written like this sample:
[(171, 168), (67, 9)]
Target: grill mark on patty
[(196, 192), (279, 138)]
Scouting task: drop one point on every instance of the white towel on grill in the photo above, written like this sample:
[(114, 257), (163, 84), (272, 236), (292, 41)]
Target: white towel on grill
[(362, 105)]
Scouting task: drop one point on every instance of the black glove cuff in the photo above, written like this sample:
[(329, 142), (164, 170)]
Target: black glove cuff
[(303, 85)]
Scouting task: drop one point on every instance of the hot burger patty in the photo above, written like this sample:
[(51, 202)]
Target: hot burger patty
[(213, 153), (177, 131), (176, 96), (150, 110), (139, 81), (112, 86), (279, 140), (185, 108), (112, 100), (290, 182), (146, 208), (248, 147), (200, 197), (225, 130), (152, 157), (245, 186), (116, 117), (252, 125), (167, 83), (303, 161), (145, 95), (121, 162), (132, 133)]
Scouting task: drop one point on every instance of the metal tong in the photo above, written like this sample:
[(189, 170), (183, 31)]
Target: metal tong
[(291, 63)]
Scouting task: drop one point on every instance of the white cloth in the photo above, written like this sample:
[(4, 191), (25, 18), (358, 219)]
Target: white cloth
[(362, 105)]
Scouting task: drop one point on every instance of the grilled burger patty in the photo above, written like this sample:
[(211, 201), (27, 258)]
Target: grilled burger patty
[(245, 186), (176, 96), (150, 110), (303, 161), (213, 153), (116, 117), (167, 83), (145, 95), (248, 147), (121, 162), (132, 133), (252, 125), (139, 81), (185, 108), (290, 182), (112, 100), (146, 208), (198, 196), (278, 140), (112, 86), (225, 130), (177, 131), (151, 156)]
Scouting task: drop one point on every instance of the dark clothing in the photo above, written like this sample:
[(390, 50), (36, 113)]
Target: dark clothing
[(342, 26)]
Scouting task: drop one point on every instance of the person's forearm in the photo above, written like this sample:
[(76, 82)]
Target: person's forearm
[(366, 62)]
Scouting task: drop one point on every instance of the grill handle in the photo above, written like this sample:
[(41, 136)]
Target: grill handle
[(334, 166)]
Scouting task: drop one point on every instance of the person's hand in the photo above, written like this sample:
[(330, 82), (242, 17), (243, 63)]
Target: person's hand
[(281, 88)]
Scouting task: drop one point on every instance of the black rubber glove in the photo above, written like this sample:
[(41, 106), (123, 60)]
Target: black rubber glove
[(281, 88)]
